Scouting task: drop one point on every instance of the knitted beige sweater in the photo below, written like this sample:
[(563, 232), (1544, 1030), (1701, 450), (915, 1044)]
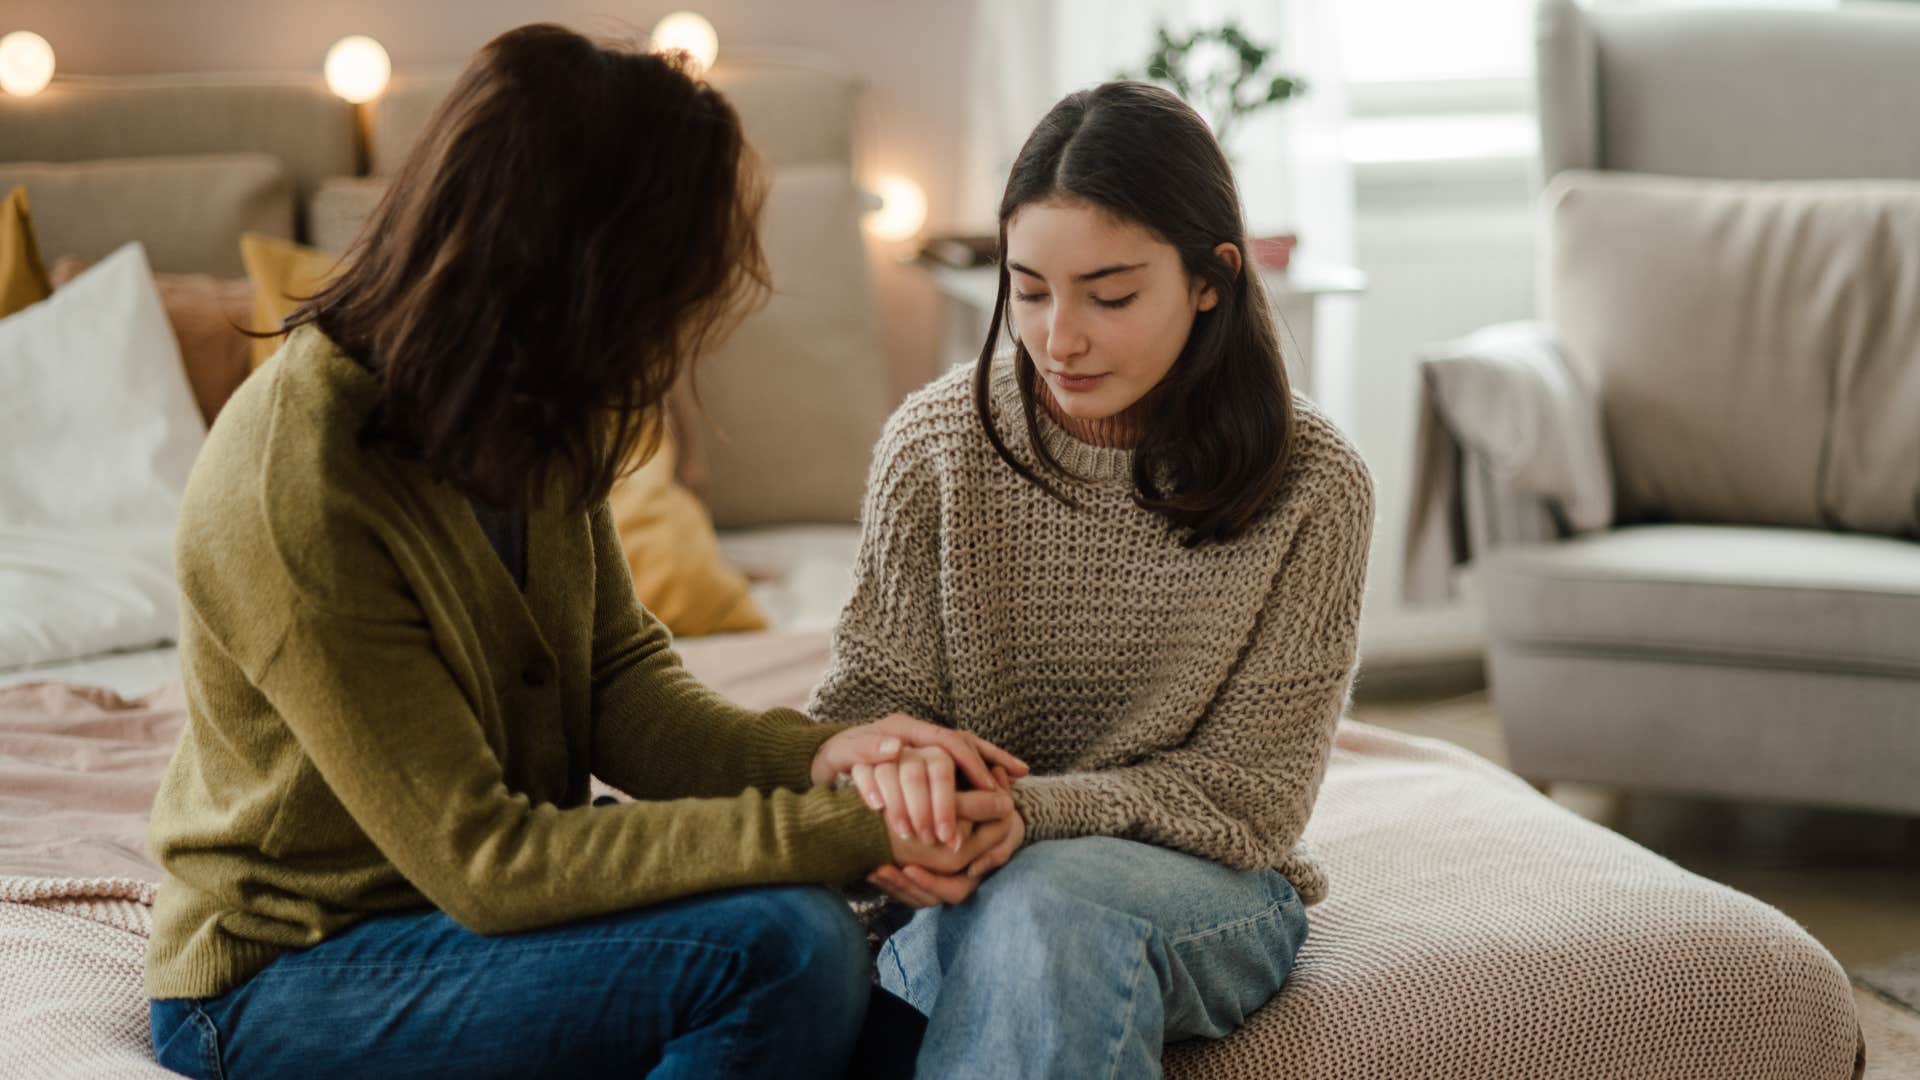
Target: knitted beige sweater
[(1179, 697)]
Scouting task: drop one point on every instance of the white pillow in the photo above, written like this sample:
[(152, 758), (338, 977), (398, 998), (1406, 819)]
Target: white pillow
[(98, 430), (68, 593)]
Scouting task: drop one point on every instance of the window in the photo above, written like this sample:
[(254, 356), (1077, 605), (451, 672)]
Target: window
[(1401, 41)]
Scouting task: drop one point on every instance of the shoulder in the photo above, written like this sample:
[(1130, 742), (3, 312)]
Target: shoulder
[(283, 500), (1324, 467), (934, 427)]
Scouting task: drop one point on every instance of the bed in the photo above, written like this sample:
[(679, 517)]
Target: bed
[(1474, 928)]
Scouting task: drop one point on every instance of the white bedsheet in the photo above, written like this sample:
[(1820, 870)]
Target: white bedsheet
[(128, 674), (808, 571)]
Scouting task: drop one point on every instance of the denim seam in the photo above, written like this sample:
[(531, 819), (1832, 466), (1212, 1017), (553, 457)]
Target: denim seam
[(1214, 931), (209, 1043), (1126, 1022), (906, 981)]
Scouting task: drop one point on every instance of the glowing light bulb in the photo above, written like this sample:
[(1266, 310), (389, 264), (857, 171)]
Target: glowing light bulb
[(358, 68), (26, 63), (903, 209), (687, 32)]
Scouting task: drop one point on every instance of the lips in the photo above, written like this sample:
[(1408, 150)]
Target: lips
[(1075, 382)]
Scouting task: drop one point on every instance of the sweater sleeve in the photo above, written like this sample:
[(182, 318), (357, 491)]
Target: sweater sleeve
[(660, 733), (395, 740), (1240, 788), (888, 651)]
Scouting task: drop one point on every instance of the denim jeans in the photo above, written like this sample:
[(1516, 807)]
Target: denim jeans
[(1084, 957), (752, 982)]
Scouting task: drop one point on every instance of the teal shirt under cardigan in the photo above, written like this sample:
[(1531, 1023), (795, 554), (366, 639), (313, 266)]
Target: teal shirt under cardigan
[(380, 719)]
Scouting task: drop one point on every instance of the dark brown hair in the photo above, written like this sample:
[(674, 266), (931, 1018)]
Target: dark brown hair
[(575, 223), (1216, 440)]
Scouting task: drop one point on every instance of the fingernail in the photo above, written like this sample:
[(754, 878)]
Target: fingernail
[(902, 834), (889, 746), (945, 832), (874, 801)]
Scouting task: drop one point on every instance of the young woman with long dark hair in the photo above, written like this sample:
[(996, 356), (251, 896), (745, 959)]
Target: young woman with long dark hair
[(1128, 553), (409, 638)]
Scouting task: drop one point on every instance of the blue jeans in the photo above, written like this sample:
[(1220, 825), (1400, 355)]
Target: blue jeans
[(1084, 957), (752, 982)]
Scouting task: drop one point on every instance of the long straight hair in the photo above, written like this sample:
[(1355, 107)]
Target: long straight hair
[(1215, 443), (574, 224)]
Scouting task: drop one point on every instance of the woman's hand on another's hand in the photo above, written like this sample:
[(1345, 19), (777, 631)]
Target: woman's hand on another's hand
[(992, 829), (915, 792), (974, 756), (996, 857), (910, 769), (864, 744)]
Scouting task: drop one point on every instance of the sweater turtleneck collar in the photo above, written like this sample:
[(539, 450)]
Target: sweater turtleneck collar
[(1121, 431)]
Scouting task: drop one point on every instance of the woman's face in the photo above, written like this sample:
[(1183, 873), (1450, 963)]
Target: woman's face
[(1102, 305)]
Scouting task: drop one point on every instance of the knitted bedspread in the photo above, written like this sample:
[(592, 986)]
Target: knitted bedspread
[(1473, 928)]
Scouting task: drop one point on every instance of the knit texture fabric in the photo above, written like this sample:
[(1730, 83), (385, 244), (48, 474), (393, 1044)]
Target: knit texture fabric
[(1482, 931), (72, 1006), (381, 720), (1182, 697)]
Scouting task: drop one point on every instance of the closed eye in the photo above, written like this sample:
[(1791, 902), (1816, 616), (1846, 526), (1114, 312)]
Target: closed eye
[(1028, 297), (1117, 302)]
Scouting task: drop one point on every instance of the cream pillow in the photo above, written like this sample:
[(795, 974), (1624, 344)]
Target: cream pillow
[(98, 431), (1755, 345), (796, 397), (188, 211)]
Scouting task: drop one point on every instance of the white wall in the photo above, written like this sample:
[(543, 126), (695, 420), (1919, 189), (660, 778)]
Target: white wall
[(1447, 247)]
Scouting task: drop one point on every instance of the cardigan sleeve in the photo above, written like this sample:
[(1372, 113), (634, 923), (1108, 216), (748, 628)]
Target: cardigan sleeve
[(889, 654), (1239, 790), (396, 742), (660, 733)]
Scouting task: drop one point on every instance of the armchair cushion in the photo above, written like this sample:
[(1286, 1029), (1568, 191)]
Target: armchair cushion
[(1755, 345), (1776, 598)]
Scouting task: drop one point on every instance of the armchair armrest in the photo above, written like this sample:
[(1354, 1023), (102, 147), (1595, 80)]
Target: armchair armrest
[(1510, 450)]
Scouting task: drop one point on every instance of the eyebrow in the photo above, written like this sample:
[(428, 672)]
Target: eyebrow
[(1092, 275)]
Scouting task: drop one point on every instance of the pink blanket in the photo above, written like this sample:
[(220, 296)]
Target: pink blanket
[(1474, 928)]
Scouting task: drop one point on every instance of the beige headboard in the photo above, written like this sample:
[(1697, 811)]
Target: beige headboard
[(794, 400), (181, 163), (794, 114)]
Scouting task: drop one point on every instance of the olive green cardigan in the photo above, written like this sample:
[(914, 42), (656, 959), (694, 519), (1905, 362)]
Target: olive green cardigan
[(380, 720)]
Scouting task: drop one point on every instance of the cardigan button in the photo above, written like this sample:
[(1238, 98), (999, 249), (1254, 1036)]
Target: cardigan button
[(537, 671)]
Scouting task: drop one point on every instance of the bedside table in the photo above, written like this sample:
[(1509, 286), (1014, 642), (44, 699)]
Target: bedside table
[(1294, 294)]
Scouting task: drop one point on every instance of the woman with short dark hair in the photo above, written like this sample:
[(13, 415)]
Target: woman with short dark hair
[(409, 637)]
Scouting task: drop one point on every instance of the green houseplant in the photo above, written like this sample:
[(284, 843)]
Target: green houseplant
[(1226, 76)]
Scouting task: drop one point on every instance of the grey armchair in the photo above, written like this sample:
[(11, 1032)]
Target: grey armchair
[(1691, 495)]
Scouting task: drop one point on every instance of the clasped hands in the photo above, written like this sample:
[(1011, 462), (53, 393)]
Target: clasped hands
[(947, 799)]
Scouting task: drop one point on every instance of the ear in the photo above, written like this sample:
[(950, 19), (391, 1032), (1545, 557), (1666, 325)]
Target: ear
[(1226, 253)]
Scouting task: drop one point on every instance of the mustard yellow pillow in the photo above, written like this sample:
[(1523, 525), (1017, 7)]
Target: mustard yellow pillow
[(283, 274), (678, 571), (23, 276)]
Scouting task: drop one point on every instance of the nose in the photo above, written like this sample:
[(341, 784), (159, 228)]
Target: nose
[(1065, 337)]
